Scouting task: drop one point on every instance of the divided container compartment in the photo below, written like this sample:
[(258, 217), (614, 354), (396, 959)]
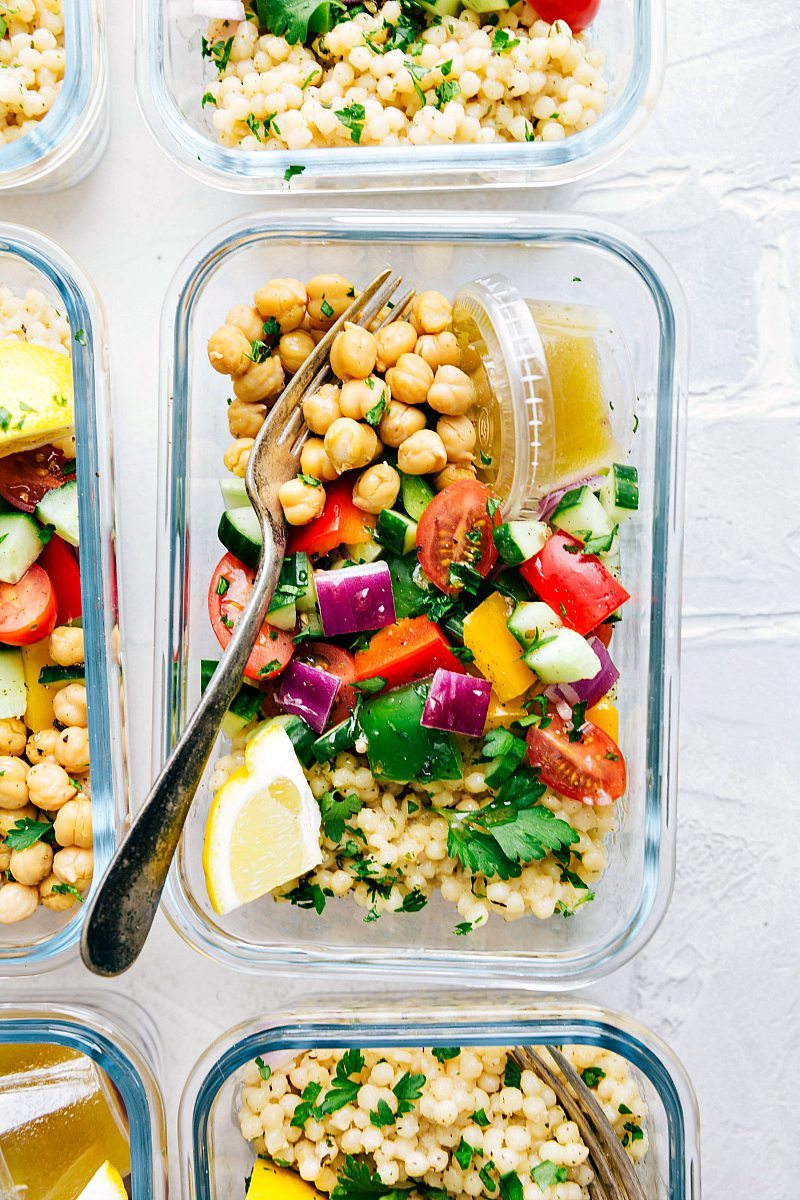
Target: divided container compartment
[(215, 1156), (171, 77), (70, 139), (561, 260), (120, 1038), (29, 260)]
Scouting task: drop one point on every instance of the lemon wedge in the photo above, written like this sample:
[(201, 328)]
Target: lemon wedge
[(263, 825), (105, 1184), (269, 1182), (36, 398)]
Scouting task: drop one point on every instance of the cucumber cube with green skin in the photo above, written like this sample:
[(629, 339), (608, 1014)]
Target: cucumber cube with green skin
[(619, 495), (581, 514), (416, 494), (533, 620), (517, 541), (234, 492), (239, 531), (563, 656), (396, 531), (59, 508), (20, 545)]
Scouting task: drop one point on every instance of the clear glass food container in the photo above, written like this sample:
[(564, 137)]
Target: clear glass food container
[(120, 1038), (171, 79), (215, 1157), (69, 140), (561, 260), (29, 260)]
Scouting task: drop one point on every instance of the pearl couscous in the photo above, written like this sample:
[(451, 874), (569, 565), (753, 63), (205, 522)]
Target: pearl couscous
[(396, 75), (466, 1122), (32, 63)]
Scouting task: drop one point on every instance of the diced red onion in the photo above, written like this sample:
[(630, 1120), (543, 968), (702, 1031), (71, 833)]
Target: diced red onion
[(220, 10), (355, 599), (308, 692), (586, 691), (549, 503), (457, 703)]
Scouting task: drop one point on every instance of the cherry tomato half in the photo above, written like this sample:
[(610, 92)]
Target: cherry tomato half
[(26, 477), (64, 572), (578, 14), (273, 648), (591, 770), (28, 609), (456, 528), (337, 662)]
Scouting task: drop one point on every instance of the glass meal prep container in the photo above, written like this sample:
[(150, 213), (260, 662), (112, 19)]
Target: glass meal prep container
[(215, 1156), (554, 259), (87, 1072), (171, 79), (67, 143), (30, 261)]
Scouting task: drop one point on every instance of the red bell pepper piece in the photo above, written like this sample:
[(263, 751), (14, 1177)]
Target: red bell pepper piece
[(340, 521), (576, 585), (64, 573), (411, 649)]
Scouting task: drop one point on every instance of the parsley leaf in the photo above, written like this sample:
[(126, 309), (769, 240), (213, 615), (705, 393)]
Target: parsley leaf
[(357, 1182), (308, 480), (511, 1186), (591, 1076), (207, 99), (413, 902), (67, 889), (369, 686), (547, 1173), (290, 173), (305, 1108), (287, 18), (26, 832), (444, 1053), (446, 91), (335, 810), (408, 1089), (343, 1089), (308, 895), (463, 928), (353, 118), (480, 1118), (512, 1075), (502, 41), (463, 1154), (382, 1115), (263, 1069)]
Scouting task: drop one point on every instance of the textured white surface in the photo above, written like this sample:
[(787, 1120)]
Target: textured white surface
[(715, 183)]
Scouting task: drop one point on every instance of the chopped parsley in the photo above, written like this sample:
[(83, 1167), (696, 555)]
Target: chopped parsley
[(502, 41), (263, 1069), (26, 833), (463, 928), (375, 413), (480, 1118), (370, 686), (207, 99), (219, 52), (223, 584), (308, 480), (67, 889), (591, 1076), (5, 418), (335, 809), (578, 721), (446, 91), (45, 533), (445, 1053), (290, 173), (463, 1154), (546, 1174), (352, 117), (511, 1186), (308, 895), (413, 902), (512, 1076)]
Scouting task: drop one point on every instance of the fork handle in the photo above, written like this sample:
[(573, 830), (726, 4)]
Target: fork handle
[(124, 906)]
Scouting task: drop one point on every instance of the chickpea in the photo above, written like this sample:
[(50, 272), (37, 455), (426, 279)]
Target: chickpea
[(55, 901), (393, 340), (74, 865), (229, 351), (72, 749), (432, 312), (301, 502), (13, 784), (5, 857), (453, 472), (13, 733), (452, 392), (49, 785), (439, 350), (285, 300), (31, 866), (377, 488), (17, 903), (399, 422), (248, 320), (353, 352), (459, 437), (328, 297), (69, 705), (9, 817), (322, 408), (41, 745), (66, 646), (245, 420), (73, 825), (471, 360), (314, 461), (422, 454), (294, 348), (360, 396), (236, 456), (350, 444), (410, 379), (261, 381)]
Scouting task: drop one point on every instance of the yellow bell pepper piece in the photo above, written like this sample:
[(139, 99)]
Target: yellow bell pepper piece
[(39, 712), (500, 715), (497, 653), (605, 716), (269, 1182)]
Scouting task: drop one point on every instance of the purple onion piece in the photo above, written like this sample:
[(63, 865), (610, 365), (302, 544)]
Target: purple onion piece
[(355, 599), (588, 691), (549, 503), (308, 692), (457, 703)]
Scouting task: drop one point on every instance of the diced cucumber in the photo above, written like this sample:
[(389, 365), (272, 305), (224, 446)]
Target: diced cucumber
[(518, 541), (301, 735), (59, 508), (234, 492), (503, 767), (416, 494), (563, 656), (283, 618), (364, 552), (334, 741), (239, 531), (245, 706), (20, 545), (295, 587), (442, 8), (396, 531), (619, 495), (13, 696), (54, 676), (580, 513), (486, 6), (533, 620), (310, 624)]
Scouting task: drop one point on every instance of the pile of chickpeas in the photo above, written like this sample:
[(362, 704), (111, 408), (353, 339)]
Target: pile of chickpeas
[(44, 776), (405, 386)]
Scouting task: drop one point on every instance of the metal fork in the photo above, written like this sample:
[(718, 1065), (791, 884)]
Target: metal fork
[(124, 905)]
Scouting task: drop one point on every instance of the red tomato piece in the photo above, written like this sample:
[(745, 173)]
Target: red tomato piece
[(28, 609), (410, 649), (604, 633), (274, 647), (339, 522), (591, 770), (337, 662), (64, 572), (576, 585), (578, 14), (27, 476), (456, 527)]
